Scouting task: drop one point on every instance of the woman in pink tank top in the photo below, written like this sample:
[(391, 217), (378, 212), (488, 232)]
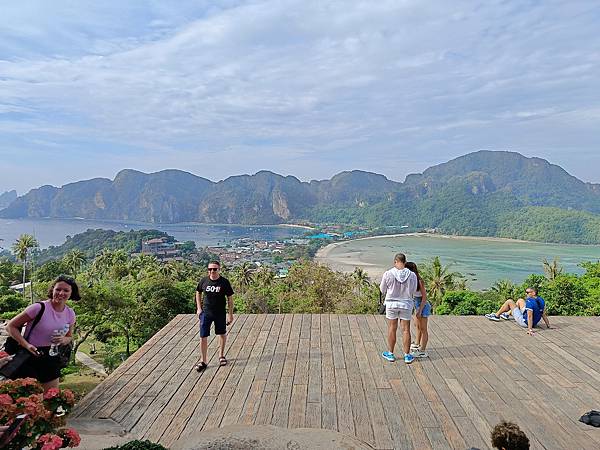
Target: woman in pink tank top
[(56, 316)]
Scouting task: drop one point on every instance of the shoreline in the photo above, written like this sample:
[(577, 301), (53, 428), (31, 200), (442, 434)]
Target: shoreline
[(350, 255), (323, 252)]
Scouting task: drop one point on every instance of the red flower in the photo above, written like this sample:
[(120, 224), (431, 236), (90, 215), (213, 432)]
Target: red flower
[(68, 396), (51, 393), (5, 400), (49, 442), (3, 354), (71, 436)]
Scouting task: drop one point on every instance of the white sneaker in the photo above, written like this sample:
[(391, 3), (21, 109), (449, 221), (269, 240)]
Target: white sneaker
[(420, 354), (414, 346), (493, 317)]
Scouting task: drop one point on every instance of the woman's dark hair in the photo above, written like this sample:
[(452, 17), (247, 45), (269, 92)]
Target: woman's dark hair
[(71, 282), (508, 435), (413, 268)]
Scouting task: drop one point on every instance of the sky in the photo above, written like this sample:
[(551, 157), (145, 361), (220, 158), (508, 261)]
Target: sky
[(298, 87)]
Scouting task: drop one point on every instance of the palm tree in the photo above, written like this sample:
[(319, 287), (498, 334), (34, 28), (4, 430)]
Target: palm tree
[(20, 249), (505, 288), (552, 269), (168, 270), (265, 276), (361, 279), (111, 263), (74, 261), (244, 275), (438, 279)]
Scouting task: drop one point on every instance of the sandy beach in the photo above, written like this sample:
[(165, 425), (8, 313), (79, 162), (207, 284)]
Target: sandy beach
[(483, 260)]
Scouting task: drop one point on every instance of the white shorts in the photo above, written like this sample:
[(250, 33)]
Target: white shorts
[(402, 314), (518, 315)]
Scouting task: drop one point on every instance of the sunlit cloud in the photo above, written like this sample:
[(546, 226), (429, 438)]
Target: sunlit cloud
[(307, 88)]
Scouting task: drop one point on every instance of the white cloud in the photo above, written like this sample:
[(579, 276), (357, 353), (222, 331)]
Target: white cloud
[(299, 86)]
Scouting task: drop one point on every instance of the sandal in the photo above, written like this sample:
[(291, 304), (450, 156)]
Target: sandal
[(222, 361), (200, 366)]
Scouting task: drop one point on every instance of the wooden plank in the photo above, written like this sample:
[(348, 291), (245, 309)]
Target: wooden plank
[(381, 433), (325, 371), (189, 400), (162, 388), (144, 385), (344, 407), (91, 399), (236, 405), (298, 406), (358, 399), (284, 392), (470, 409), (223, 384), (112, 398), (328, 386)]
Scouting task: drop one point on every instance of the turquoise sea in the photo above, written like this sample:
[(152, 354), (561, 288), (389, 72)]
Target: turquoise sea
[(483, 261)]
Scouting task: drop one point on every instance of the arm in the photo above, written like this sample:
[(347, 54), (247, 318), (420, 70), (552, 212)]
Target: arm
[(13, 328), (230, 309), (423, 298), (529, 322), (198, 302), (3, 362), (546, 321), (383, 286)]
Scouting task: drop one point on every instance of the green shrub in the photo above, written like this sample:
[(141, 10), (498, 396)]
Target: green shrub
[(8, 315), (12, 302)]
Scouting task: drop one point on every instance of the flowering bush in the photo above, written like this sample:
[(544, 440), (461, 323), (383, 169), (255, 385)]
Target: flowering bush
[(46, 413)]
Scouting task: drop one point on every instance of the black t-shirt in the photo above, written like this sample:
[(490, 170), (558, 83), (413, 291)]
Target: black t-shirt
[(215, 293)]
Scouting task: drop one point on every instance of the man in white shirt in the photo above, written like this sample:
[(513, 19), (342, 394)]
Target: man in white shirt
[(399, 286)]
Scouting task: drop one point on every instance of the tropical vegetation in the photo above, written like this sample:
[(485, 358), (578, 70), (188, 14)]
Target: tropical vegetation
[(126, 299)]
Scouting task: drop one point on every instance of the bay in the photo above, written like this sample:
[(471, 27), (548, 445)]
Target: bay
[(54, 231), (483, 261)]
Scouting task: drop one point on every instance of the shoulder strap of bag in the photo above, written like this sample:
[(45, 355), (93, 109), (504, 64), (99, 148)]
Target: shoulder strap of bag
[(37, 319)]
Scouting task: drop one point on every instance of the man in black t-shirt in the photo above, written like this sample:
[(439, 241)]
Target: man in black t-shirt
[(211, 295)]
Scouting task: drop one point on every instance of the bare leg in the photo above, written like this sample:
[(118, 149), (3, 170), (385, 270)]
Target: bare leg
[(405, 324), (204, 349), (418, 334), (507, 306), (223, 339), (392, 329), (521, 304), (50, 384), (424, 333)]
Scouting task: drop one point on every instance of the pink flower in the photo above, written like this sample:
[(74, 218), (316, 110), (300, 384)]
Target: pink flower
[(51, 393), (49, 442), (5, 400), (68, 396), (3, 354), (71, 436)]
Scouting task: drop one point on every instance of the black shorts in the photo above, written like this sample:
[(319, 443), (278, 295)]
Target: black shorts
[(207, 318), (43, 368)]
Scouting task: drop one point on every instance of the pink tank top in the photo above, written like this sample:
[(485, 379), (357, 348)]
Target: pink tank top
[(51, 320)]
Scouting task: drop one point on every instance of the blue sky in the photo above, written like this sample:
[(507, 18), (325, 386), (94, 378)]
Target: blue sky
[(301, 87)]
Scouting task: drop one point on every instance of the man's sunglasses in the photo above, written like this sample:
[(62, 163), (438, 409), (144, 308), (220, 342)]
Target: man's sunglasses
[(213, 269)]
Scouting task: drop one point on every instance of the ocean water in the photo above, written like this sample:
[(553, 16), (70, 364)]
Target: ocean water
[(482, 261), (54, 231)]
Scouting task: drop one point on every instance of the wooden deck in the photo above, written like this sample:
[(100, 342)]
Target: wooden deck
[(325, 371)]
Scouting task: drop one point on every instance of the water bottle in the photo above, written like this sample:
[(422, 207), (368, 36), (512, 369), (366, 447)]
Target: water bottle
[(54, 347)]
